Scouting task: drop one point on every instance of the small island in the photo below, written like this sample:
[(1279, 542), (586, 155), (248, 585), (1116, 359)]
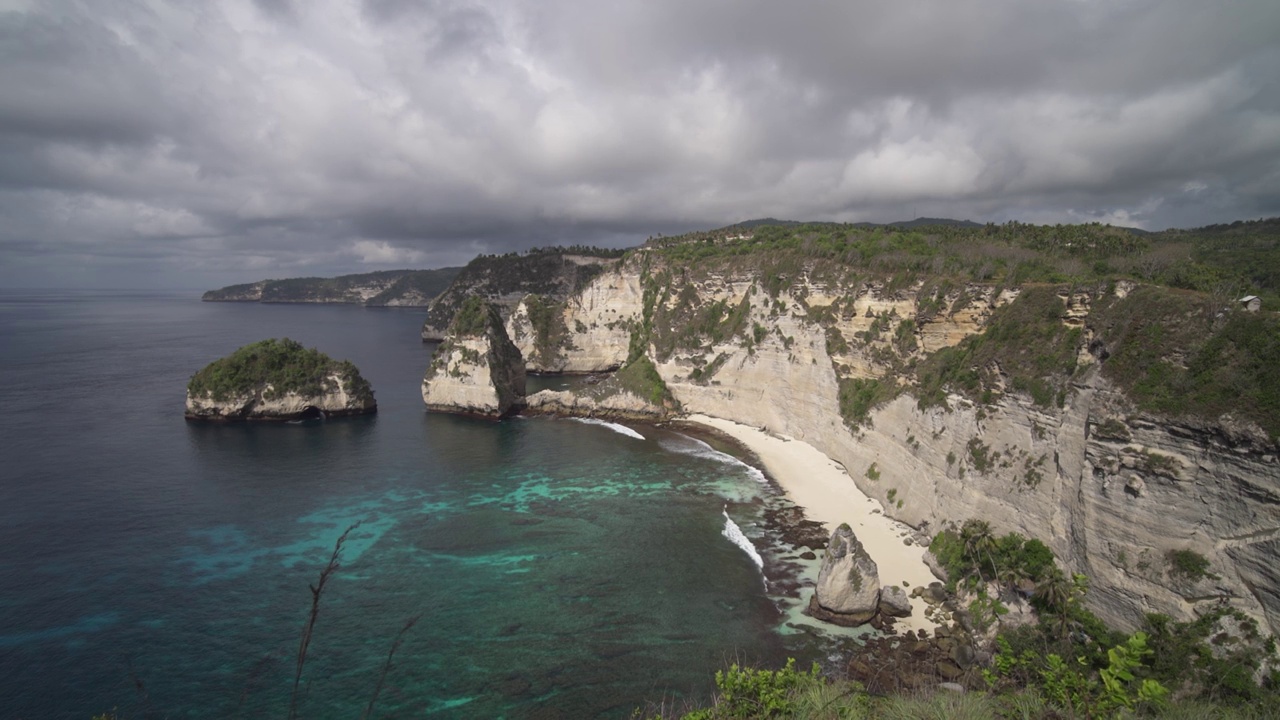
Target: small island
[(277, 380)]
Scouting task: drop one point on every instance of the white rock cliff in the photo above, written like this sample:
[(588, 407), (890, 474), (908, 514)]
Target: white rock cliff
[(476, 370), (1112, 504)]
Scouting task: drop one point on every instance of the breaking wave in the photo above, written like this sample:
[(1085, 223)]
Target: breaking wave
[(612, 426), (734, 533), (700, 449)]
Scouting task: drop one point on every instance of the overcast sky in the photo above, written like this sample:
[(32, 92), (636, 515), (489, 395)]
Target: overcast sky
[(195, 144)]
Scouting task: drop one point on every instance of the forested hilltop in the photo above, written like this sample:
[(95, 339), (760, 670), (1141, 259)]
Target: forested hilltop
[(1216, 259), (383, 288)]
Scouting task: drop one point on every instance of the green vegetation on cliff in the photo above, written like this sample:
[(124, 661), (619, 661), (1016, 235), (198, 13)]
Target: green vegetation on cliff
[(285, 365), (1219, 259), (550, 334), (1175, 350), (641, 378), (1158, 310), (474, 317), (554, 273), (1026, 342)]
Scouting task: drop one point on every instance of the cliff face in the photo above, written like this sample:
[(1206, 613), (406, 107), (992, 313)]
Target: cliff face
[(505, 280), (1115, 492), (264, 404), (476, 370), (588, 332)]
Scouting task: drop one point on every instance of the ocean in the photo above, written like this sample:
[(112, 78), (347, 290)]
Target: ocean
[(159, 568)]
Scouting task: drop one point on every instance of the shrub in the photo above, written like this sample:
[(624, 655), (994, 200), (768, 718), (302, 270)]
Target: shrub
[(1188, 565), (641, 378), (859, 396), (749, 693)]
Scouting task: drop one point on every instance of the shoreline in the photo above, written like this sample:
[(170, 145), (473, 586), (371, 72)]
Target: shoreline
[(827, 494)]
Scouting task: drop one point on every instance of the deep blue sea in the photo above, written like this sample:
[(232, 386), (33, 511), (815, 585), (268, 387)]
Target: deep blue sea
[(161, 568)]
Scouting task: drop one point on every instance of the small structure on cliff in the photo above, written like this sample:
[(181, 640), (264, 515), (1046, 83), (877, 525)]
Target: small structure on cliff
[(477, 370), (1251, 303), (277, 380)]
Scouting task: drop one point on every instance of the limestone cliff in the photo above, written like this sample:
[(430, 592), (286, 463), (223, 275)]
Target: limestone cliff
[(504, 280), (947, 401), (476, 370), (588, 332), (277, 380)]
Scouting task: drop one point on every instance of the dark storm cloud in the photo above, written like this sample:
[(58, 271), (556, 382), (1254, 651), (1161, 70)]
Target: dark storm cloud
[(201, 143)]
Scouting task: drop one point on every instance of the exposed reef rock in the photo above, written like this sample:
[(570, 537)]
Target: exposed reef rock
[(476, 370), (277, 380), (621, 405), (848, 590)]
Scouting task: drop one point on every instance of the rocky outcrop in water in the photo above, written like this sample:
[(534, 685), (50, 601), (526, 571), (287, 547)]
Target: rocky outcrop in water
[(277, 380), (848, 589), (476, 370)]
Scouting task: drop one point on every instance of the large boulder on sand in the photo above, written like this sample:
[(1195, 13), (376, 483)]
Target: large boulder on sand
[(894, 601), (848, 591)]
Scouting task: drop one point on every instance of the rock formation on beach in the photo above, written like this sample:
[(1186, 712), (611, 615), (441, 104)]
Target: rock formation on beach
[(476, 370), (277, 380), (894, 602), (848, 589)]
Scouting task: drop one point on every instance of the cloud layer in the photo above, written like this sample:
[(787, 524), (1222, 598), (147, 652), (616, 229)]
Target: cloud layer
[(193, 144)]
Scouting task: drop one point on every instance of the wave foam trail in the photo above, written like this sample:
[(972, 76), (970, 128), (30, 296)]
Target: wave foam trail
[(702, 450), (612, 426), (734, 533)]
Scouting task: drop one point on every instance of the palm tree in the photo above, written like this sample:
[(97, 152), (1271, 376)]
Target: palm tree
[(1009, 577), (978, 539), (1058, 593), (1054, 592)]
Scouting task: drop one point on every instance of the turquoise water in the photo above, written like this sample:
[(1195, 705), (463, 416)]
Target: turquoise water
[(556, 568)]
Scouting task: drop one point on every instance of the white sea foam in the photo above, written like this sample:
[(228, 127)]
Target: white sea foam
[(612, 426), (700, 449), (734, 533)]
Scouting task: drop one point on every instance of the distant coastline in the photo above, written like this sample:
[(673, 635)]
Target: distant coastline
[(393, 288)]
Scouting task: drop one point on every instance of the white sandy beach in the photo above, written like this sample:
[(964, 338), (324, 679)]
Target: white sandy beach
[(828, 495)]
